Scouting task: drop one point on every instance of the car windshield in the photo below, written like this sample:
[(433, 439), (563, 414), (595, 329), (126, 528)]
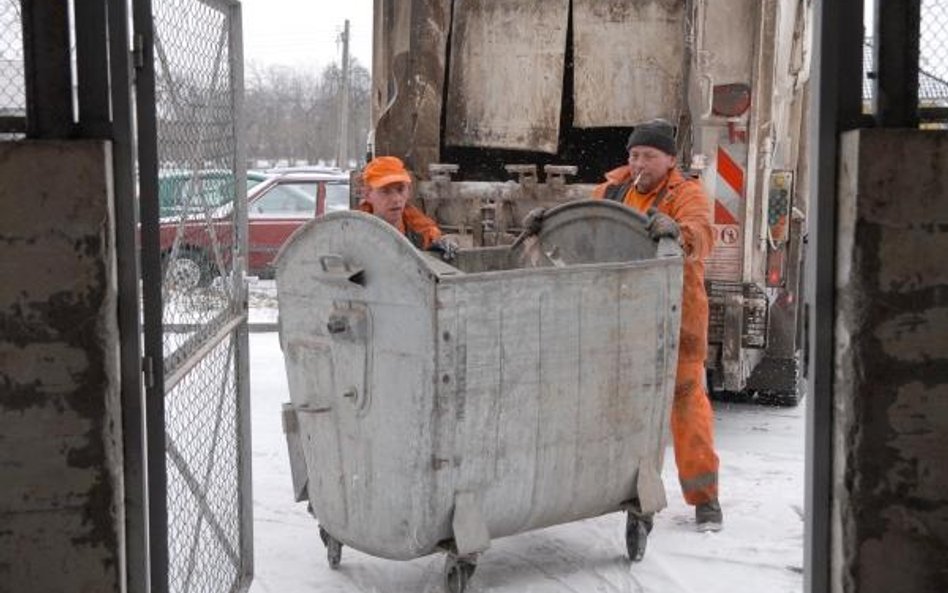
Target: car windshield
[(195, 192), (337, 196), (286, 199)]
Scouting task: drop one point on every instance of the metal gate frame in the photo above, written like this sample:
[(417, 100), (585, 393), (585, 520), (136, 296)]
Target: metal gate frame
[(164, 371)]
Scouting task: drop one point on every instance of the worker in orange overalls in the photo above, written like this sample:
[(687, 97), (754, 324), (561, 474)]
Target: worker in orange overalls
[(386, 189), (678, 208)]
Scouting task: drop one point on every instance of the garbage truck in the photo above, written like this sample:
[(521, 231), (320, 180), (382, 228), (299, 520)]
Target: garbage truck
[(499, 107)]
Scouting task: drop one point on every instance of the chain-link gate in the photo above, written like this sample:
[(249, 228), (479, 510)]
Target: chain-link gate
[(932, 66), (12, 76), (194, 246), (933, 62)]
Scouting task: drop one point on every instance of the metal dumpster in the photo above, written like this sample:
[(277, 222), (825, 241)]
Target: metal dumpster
[(436, 406)]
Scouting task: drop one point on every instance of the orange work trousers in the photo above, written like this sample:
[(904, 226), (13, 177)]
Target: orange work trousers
[(692, 424)]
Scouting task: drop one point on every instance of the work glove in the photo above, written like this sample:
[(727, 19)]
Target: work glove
[(448, 248), (661, 225), (533, 221)]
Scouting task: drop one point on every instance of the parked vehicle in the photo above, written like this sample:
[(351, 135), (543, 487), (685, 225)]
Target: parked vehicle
[(305, 169), (197, 191), (197, 244), (543, 91)]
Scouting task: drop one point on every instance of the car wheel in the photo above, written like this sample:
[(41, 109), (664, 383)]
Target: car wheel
[(189, 269)]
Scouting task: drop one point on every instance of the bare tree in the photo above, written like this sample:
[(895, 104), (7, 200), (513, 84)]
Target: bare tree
[(290, 114)]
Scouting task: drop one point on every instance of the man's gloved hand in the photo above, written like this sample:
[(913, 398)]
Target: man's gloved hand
[(533, 221), (446, 246), (661, 225)]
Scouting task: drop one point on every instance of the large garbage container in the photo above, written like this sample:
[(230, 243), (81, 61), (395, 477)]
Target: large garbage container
[(436, 406)]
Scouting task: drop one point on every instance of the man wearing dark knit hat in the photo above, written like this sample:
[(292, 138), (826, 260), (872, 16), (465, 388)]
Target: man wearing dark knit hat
[(677, 207)]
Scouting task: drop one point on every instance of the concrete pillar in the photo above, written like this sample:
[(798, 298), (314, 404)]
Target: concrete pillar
[(890, 493), (61, 512)]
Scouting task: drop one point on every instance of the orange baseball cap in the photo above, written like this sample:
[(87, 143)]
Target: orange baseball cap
[(384, 170)]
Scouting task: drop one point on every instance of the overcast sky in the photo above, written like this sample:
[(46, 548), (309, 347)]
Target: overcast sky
[(306, 33)]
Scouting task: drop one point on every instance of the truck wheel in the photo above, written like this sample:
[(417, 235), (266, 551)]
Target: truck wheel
[(457, 573), (782, 399), (786, 400)]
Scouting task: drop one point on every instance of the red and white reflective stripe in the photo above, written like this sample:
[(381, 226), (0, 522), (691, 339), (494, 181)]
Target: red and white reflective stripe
[(726, 261), (729, 189)]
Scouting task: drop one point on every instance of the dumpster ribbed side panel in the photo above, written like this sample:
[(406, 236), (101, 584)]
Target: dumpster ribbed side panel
[(568, 379)]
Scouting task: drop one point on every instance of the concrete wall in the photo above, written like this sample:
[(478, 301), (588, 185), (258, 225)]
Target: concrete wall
[(60, 427), (891, 410)]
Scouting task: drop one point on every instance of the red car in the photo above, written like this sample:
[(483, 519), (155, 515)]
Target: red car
[(197, 244)]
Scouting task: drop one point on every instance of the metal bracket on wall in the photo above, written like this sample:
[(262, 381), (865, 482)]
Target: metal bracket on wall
[(556, 174), (442, 172), (526, 174)]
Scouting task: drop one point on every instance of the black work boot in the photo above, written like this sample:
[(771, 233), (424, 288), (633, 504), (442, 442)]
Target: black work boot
[(708, 516)]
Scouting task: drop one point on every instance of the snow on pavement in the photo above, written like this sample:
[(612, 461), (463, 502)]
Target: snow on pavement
[(760, 549)]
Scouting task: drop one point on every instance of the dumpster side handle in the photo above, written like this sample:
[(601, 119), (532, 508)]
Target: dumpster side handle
[(336, 266), (309, 409)]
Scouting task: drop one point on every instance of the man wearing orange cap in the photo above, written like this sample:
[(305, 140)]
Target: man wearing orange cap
[(677, 207), (386, 189)]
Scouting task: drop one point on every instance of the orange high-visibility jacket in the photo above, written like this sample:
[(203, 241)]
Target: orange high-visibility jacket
[(420, 230), (685, 201)]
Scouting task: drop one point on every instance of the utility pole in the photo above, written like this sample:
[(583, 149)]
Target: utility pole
[(342, 155)]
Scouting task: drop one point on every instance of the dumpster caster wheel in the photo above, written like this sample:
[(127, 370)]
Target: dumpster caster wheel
[(637, 528), (333, 548), (457, 573)]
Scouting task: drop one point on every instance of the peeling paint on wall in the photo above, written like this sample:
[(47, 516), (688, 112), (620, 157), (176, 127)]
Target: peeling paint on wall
[(60, 417), (42, 368), (919, 419), (891, 389), (917, 336), (901, 246)]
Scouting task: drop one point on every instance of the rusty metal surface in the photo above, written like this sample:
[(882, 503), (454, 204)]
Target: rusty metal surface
[(506, 75), (629, 61), (491, 212), (410, 58), (754, 322)]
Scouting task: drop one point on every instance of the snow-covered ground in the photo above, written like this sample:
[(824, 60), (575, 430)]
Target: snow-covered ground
[(262, 301), (760, 549)]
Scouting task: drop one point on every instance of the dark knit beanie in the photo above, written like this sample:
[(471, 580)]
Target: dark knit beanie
[(657, 133)]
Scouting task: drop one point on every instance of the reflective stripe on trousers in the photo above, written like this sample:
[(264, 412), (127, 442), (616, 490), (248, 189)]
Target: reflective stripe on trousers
[(692, 423)]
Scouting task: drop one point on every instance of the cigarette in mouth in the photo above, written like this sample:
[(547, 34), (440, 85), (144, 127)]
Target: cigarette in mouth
[(635, 183)]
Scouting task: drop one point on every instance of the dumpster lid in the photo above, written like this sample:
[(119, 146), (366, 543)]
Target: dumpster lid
[(587, 231)]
